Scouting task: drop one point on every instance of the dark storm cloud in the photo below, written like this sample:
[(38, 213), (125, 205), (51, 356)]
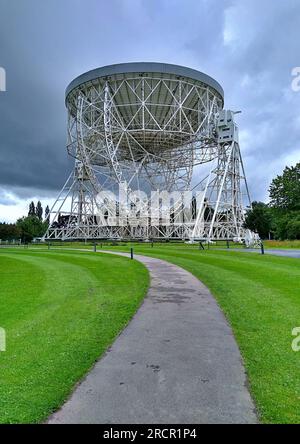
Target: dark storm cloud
[(43, 45), (249, 46), (260, 53)]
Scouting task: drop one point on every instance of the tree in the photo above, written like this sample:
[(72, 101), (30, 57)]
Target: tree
[(293, 227), (31, 211), (287, 225), (47, 212), (31, 227), (194, 207), (259, 219), (39, 211), (285, 190), (9, 232), (285, 203)]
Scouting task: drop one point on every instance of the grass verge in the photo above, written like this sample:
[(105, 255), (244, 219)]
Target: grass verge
[(61, 310)]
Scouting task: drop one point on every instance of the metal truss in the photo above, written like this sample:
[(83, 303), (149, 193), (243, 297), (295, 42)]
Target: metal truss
[(147, 132)]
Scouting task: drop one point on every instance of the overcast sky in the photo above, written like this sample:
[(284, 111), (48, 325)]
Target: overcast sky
[(249, 46)]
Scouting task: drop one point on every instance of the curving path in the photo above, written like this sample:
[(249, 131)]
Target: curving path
[(176, 362), (285, 253)]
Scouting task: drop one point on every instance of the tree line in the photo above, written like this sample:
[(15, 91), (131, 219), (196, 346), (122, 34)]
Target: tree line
[(280, 218), (27, 227)]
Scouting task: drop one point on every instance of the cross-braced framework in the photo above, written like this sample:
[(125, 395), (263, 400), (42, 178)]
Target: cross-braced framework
[(136, 132)]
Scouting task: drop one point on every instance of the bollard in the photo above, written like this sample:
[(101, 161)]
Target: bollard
[(262, 248), (131, 253), (95, 247)]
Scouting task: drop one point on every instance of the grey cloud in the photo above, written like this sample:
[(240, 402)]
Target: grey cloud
[(6, 199)]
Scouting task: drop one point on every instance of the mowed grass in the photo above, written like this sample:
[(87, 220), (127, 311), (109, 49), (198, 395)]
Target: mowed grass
[(261, 299), (260, 296), (61, 310)]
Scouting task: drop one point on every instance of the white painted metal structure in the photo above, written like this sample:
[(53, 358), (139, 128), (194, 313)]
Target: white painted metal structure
[(137, 131)]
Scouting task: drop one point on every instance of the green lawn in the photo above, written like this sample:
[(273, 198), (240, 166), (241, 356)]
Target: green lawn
[(60, 310), (260, 296)]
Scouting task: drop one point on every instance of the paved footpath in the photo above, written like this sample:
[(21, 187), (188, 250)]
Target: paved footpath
[(176, 362), (285, 253)]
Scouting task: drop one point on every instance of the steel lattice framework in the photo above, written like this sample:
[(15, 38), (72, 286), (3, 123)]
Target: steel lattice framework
[(142, 128)]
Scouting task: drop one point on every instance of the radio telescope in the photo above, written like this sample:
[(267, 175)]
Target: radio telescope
[(156, 157)]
